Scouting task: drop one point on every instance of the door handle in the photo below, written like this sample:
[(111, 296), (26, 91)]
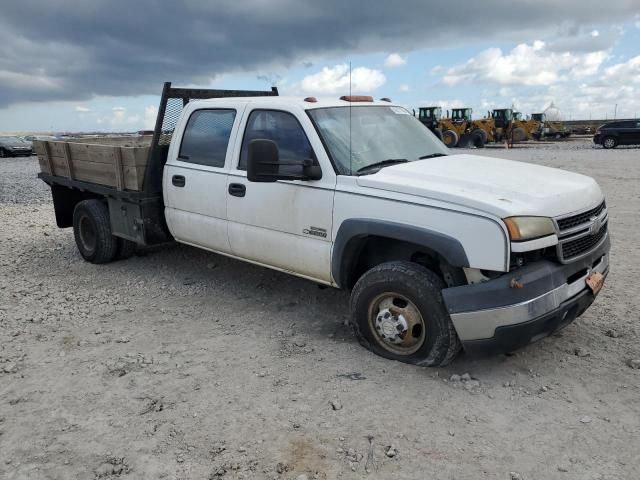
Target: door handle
[(178, 180), (237, 189)]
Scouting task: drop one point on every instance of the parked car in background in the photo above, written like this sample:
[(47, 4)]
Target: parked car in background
[(14, 147), (612, 134)]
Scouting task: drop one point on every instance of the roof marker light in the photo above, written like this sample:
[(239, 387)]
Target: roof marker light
[(357, 98), (385, 99), (311, 99)]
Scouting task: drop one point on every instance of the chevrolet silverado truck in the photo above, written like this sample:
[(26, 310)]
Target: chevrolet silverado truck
[(441, 251)]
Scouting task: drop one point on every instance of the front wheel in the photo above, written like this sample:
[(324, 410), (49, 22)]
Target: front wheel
[(2, 153), (398, 313), (450, 138)]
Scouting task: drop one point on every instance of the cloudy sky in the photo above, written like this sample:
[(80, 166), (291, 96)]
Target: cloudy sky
[(68, 65)]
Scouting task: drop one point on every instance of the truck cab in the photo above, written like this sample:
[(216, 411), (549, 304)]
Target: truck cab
[(461, 114), (431, 117), (440, 251)]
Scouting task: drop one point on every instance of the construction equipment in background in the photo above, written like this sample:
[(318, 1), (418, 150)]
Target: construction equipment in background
[(531, 127), (460, 130), (430, 118), (550, 128)]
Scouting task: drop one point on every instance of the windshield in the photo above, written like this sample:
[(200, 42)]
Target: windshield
[(12, 141), (377, 134)]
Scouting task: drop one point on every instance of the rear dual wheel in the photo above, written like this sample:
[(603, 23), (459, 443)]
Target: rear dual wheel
[(92, 232), (398, 313)]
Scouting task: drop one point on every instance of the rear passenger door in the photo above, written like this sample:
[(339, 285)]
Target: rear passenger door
[(195, 179)]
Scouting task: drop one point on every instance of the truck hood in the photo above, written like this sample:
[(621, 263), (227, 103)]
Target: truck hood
[(500, 187)]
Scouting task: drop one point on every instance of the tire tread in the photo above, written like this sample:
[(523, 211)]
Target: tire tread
[(427, 285)]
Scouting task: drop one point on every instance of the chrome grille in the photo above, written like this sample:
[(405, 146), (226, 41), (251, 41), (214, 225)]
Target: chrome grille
[(575, 220), (574, 248), (581, 233)]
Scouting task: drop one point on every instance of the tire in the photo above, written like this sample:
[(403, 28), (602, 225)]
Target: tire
[(438, 133), (466, 141), (3, 154), (558, 136), (92, 232), (385, 300), (450, 138), (126, 249), (519, 135), (609, 142), (479, 137)]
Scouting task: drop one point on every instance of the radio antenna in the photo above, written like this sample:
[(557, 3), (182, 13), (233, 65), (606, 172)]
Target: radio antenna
[(350, 159)]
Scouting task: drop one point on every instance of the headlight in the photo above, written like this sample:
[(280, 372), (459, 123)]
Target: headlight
[(529, 228)]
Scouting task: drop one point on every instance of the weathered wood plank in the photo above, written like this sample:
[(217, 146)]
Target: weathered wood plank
[(67, 160), (48, 159), (117, 167), (116, 164)]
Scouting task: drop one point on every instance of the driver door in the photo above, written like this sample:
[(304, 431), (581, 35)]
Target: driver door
[(283, 224)]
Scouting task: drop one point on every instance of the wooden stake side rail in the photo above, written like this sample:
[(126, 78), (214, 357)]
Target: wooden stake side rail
[(117, 162)]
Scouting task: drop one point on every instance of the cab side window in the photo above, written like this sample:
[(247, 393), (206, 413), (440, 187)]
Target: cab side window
[(206, 137), (281, 127)]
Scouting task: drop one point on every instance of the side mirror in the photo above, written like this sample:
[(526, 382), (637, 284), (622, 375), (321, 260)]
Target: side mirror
[(264, 165), (263, 161)]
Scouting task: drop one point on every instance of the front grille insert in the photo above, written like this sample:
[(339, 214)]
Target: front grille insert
[(579, 234), (575, 248), (580, 218)]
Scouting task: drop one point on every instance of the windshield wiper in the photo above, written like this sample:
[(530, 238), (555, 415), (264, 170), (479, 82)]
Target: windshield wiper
[(432, 155), (382, 164)]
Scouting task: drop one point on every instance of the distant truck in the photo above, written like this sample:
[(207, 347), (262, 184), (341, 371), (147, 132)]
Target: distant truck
[(440, 251)]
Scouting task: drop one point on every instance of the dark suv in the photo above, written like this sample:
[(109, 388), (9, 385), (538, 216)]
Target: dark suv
[(623, 132)]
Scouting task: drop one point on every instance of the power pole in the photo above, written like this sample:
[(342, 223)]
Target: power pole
[(615, 111)]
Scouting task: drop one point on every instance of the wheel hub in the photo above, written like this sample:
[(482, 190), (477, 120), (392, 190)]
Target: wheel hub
[(392, 327)]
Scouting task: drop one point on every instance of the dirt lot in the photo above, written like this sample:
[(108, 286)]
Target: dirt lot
[(183, 364)]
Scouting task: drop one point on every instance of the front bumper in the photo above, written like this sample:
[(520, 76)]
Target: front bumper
[(494, 316), (18, 152), (597, 139)]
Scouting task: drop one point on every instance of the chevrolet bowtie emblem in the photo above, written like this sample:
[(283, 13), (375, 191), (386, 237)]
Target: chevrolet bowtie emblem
[(595, 226)]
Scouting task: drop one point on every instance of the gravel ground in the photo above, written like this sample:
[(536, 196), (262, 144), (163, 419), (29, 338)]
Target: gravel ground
[(184, 364)]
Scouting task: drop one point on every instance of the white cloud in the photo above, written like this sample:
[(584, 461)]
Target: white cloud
[(404, 87), (624, 73), (82, 109), (149, 119), (524, 65), (120, 119), (334, 80), (395, 60), (445, 104), (593, 97)]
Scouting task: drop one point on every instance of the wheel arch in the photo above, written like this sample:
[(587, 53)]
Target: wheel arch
[(375, 241), (65, 201)]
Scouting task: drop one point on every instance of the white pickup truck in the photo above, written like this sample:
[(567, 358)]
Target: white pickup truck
[(441, 251)]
